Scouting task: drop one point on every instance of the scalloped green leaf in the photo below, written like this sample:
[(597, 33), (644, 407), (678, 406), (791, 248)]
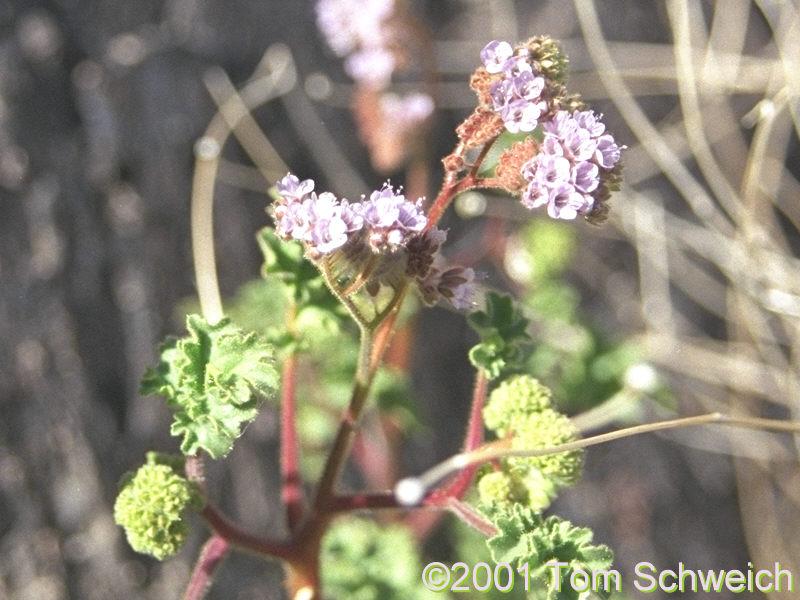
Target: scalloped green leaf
[(503, 331), (214, 379), (525, 537)]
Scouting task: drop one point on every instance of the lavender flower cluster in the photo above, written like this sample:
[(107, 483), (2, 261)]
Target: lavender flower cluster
[(325, 223), (568, 168), (386, 225), (572, 166), (517, 96)]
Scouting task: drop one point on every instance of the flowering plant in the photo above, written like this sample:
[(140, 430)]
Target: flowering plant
[(344, 265)]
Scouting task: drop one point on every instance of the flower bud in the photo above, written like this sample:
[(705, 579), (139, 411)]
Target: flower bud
[(150, 508)]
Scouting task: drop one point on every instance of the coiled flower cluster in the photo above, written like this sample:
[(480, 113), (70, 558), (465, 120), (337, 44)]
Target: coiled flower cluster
[(517, 95), (570, 164), (381, 239), (386, 220)]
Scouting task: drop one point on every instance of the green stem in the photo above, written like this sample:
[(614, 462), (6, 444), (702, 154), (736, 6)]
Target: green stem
[(349, 423), (391, 307)]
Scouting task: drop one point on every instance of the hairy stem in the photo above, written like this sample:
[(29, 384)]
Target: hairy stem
[(349, 422), (474, 436), (292, 485), (473, 440), (211, 558), (327, 276), (242, 539)]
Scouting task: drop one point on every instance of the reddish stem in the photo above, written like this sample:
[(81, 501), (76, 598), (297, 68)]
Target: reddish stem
[(470, 516), (211, 557), (292, 485), (474, 435), (472, 440), (383, 335), (449, 496), (361, 501), (236, 536), (452, 186), (443, 199)]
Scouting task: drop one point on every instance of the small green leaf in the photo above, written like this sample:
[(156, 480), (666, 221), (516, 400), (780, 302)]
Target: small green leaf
[(525, 538), (502, 329), (285, 260), (316, 307), (214, 379)]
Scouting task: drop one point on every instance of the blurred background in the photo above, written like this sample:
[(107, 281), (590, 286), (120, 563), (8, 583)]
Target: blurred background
[(686, 301)]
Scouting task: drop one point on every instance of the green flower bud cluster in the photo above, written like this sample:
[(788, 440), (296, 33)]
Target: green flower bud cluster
[(521, 409), (362, 560), (150, 508), (548, 58)]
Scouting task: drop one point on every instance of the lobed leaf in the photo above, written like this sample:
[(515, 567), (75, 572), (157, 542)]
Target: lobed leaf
[(525, 537), (503, 331), (215, 380)]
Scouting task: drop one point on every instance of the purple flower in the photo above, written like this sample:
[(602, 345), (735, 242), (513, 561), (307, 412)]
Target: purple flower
[(291, 188), (550, 170), (588, 120), (291, 220), (454, 284), (495, 54), (535, 195), (517, 92), (607, 153), (570, 164), (516, 66), (382, 209), (322, 222), (522, 115), (350, 217), (391, 218), (291, 211), (560, 125), (331, 223), (528, 86), (565, 202), (579, 145), (327, 235), (411, 217), (586, 176)]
